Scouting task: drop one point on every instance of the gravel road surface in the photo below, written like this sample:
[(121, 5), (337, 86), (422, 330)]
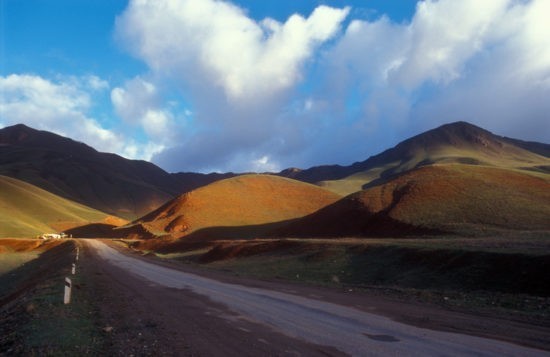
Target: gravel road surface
[(316, 322)]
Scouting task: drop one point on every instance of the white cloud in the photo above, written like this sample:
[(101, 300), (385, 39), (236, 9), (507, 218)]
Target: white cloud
[(444, 35), (157, 123), (379, 81), (61, 107), (31, 96), (265, 164), (132, 102), (236, 72), (139, 102), (486, 62), (96, 83), (434, 46), (215, 42)]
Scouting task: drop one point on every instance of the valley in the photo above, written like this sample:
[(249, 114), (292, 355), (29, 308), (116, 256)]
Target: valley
[(446, 229)]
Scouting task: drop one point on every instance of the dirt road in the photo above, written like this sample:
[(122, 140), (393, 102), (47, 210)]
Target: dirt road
[(252, 320)]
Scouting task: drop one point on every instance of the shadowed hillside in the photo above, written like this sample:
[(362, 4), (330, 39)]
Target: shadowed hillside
[(442, 198), (459, 142), (26, 210), (108, 182), (237, 202)]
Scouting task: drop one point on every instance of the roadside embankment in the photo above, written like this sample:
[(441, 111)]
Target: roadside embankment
[(33, 318)]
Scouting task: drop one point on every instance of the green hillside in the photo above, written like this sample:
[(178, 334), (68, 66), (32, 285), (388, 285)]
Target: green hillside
[(445, 145), (26, 210), (452, 198)]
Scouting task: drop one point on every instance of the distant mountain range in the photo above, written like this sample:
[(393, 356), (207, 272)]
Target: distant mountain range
[(457, 178), (458, 142), (73, 170)]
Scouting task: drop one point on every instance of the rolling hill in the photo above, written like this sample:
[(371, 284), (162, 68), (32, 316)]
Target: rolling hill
[(26, 210), (455, 178), (73, 170), (242, 206), (440, 198), (458, 142)]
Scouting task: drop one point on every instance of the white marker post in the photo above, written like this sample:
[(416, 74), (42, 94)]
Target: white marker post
[(67, 297), (77, 251), (73, 269)]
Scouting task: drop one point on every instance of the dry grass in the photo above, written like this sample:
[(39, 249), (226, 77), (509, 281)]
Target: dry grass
[(26, 210), (450, 196), (240, 201), (456, 198), (16, 252), (508, 156)]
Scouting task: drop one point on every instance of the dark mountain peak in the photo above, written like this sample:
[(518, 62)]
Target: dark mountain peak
[(465, 130), (457, 134), (460, 125), (73, 170), (22, 135), (290, 172), (19, 126), (16, 134), (453, 138)]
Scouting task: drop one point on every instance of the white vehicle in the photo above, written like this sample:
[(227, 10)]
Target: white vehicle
[(53, 236)]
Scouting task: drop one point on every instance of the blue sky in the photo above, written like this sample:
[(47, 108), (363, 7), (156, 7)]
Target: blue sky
[(207, 85)]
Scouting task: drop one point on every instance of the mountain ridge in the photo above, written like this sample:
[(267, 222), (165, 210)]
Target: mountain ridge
[(448, 132), (458, 142), (76, 171), (132, 188)]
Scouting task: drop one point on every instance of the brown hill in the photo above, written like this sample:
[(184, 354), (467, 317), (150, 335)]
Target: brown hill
[(458, 142), (452, 198), (244, 205), (73, 170)]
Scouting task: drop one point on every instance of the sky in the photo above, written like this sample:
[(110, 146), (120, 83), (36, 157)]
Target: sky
[(247, 85)]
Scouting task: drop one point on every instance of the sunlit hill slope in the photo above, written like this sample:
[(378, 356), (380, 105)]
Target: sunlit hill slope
[(26, 210), (443, 198), (458, 142), (253, 203), (76, 171)]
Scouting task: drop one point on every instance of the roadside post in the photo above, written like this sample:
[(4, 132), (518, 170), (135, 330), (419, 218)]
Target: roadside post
[(73, 269), (77, 251), (67, 296)]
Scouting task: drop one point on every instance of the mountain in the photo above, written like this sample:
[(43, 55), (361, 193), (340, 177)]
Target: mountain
[(440, 198), (241, 206), (133, 188), (73, 170), (458, 142), (26, 210), (538, 148)]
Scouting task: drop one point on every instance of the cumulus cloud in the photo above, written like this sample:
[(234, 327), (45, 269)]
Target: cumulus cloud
[(216, 42), (367, 87), (237, 72), (96, 83), (139, 103), (443, 36), (61, 107), (485, 62)]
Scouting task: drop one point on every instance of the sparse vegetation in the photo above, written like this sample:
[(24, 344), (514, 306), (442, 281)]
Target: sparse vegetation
[(26, 210), (461, 199), (34, 319), (244, 201), (501, 274), (456, 216)]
